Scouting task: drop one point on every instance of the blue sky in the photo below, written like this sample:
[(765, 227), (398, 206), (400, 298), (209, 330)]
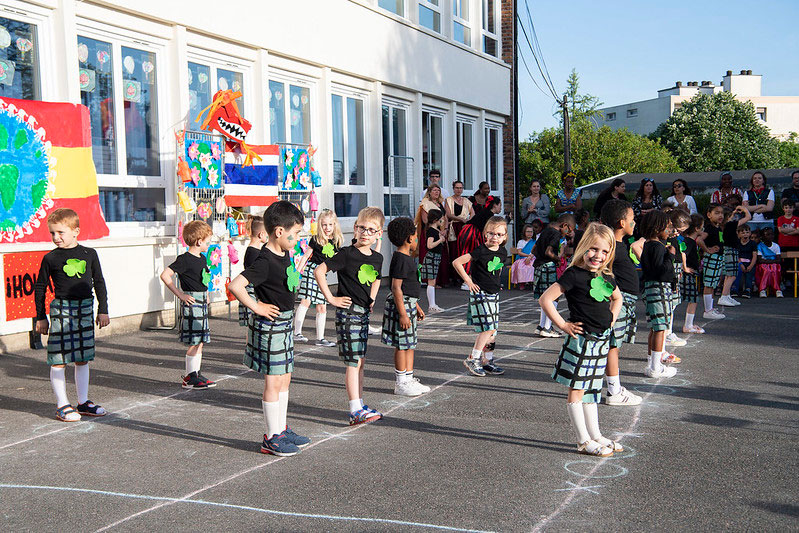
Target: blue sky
[(625, 50)]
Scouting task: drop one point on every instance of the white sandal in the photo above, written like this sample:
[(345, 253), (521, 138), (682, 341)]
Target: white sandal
[(592, 447), (612, 444)]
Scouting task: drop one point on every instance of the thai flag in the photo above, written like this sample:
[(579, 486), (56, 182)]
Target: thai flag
[(252, 185)]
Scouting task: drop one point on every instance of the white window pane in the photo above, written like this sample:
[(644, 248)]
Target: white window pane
[(299, 114), (355, 151), (199, 92), (228, 79), (97, 93), (395, 6), (338, 140), (277, 113), (429, 18), (19, 62), (461, 33), (141, 112)]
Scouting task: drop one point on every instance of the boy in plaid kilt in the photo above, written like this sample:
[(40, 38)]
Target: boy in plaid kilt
[(257, 232), (657, 267), (270, 336), (548, 252), (712, 245), (192, 270), (436, 239), (402, 310), (73, 272), (734, 218), (689, 284), (485, 281), (594, 302), (358, 268), (323, 245), (618, 215)]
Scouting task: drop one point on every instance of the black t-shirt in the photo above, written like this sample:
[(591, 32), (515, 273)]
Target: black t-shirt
[(190, 269), (433, 233), (274, 278), (549, 237), (351, 265), (595, 315), (487, 266), (321, 252), (74, 272), (624, 269), (792, 194), (578, 234), (656, 262), (250, 255), (730, 234), (691, 254), (404, 267), (714, 236), (745, 251)]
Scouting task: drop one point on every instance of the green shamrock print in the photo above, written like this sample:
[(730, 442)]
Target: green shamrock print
[(721, 237), (328, 250), (419, 272), (206, 277), (633, 258), (292, 277), (601, 289), (367, 274), (683, 246), (495, 264), (75, 267)]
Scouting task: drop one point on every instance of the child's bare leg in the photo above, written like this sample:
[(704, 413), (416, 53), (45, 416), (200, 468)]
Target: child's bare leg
[(352, 381), (482, 339), (612, 368), (728, 281)]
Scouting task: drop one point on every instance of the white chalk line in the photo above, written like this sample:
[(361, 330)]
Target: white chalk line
[(240, 507)]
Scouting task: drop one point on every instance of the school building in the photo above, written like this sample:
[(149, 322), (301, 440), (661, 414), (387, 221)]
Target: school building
[(386, 90)]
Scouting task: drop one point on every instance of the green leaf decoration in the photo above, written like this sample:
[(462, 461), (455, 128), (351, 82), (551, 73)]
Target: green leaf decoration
[(328, 250), (3, 137), (20, 139), (601, 289), (75, 267), (206, 277), (367, 274), (633, 258), (721, 237), (495, 264), (38, 191), (9, 178), (419, 272), (683, 246), (292, 278)]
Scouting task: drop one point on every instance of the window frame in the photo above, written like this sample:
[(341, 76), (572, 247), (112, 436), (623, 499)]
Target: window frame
[(436, 8), (441, 115), (346, 187), (410, 189), (403, 8), (288, 79), (484, 32), (460, 160), (610, 116), (42, 19), (488, 128), (632, 113), (457, 18), (216, 61)]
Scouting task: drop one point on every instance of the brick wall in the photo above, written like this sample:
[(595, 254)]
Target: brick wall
[(509, 148)]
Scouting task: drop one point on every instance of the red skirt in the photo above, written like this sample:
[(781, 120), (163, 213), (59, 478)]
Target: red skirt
[(469, 238)]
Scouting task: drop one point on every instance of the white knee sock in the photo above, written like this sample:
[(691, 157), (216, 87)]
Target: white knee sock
[(592, 420), (655, 362), (431, 296), (577, 417), (542, 320), (614, 384), (708, 299), (320, 325), (689, 320), (82, 382), (283, 400), (272, 418), (59, 382), (299, 318), (193, 363)]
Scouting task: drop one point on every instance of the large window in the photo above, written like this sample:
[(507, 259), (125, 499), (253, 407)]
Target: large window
[(493, 138), (432, 144), (349, 173), (289, 113), (19, 60), (491, 27), (460, 22), (119, 85), (397, 165), (205, 79), (465, 154), (395, 6), (430, 14)]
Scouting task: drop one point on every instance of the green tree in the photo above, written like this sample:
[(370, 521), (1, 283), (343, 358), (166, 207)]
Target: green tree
[(789, 151), (715, 132), (580, 105)]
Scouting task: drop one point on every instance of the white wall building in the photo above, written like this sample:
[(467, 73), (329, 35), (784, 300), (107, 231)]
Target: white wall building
[(779, 113), (420, 81)]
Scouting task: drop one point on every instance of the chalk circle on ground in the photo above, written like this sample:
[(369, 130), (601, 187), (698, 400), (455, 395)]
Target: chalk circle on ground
[(603, 470), (660, 389)]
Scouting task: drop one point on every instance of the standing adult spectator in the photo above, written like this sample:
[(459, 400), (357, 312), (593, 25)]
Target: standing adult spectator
[(792, 193), (471, 235), (536, 206), (431, 200), (647, 199), (459, 210), (480, 196), (725, 189), (614, 192), (434, 178), (568, 198), (759, 201), (681, 196)]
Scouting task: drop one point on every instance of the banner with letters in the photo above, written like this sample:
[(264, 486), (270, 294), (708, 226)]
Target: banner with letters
[(20, 271)]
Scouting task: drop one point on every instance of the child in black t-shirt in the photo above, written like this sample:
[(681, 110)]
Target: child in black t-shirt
[(436, 240), (733, 219), (358, 268), (484, 284), (680, 220), (323, 245), (711, 242), (192, 270), (689, 284), (257, 232), (547, 252), (74, 271), (594, 303), (399, 321), (270, 338), (747, 261)]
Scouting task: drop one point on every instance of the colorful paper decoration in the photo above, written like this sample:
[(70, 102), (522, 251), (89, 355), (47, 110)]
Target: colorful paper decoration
[(103, 57), (313, 201), (183, 171), (222, 84), (191, 76), (192, 99), (236, 86), (20, 271), (147, 67), (5, 38), (295, 101), (83, 52), (255, 184), (186, 203), (232, 253), (6, 72), (129, 63), (232, 227), (220, 206), (204, 210), (214, 254), (205, 171), (295, 169), (132, 91), (203, 77), (88, 80), (24, 45)]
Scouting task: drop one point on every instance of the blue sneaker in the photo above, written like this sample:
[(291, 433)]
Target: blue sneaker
[(364, 415), (279, 445), (373, 411), (298, 440)]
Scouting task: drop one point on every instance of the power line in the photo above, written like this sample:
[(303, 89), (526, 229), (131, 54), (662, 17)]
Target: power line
[(524, 62), (538, 45), (537, 61)]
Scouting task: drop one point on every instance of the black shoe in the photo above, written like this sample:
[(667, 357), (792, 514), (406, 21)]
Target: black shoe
[(746, 294), (491, 368), (195, 380)]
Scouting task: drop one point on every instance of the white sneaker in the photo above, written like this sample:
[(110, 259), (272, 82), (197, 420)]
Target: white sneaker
[(713, 314), (299, 337), (625, 397), (410, 388), (728, 301), (779, 294), (763, 294), (550, 333), (673, 340), (464, 287), (375, 330), (662, 372), (433, 309)]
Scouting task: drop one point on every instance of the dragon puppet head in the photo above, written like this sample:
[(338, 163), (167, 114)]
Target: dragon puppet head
[(223, 116)]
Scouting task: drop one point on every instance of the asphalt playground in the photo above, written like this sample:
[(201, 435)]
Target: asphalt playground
[(715, 448)]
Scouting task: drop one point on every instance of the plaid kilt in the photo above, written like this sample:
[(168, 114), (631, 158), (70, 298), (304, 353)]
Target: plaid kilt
[(309, 289), (194, 320), (483, 311), (392, 334), (675, 287), (581, 364), (731, 259), (543, 278), (712, 266), (657, 295), (689, 288), (352, 330), (430, 266), (626, 324), (71, 338), (244, 313), (270, 344)]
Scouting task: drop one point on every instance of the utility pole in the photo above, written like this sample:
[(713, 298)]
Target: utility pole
[(567, 159)]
